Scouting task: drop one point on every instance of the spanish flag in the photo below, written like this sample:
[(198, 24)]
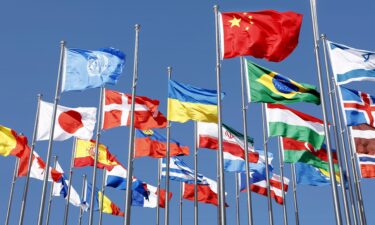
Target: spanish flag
[(10, 142), (187, 102), (85, 155)]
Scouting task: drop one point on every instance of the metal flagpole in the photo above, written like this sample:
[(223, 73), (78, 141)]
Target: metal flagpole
[(219, 123), (158, 196), (51, 134), (281, 161), (66, 213), (102, 198), (238, 222), (195, 173), (51, 193), (129, 174), (265, 141), (168, 154), (244, 119), (26, 188), (97, 140), (294, 181), (12, 190), (181, 193), (326, 128), (83, 194), (338, 145)]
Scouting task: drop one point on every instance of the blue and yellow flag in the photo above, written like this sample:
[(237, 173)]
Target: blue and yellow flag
[(186, 102)]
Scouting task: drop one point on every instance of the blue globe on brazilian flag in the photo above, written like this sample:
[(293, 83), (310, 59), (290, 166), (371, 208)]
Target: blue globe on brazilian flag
[(264, 85)]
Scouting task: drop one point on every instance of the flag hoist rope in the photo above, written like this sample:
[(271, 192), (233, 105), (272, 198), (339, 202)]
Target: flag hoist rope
[(83, 196), (16, 164), (281, 161), (294, 185), (51, 194)]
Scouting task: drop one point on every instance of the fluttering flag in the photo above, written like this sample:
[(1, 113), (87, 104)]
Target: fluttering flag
[(85, 155), (179, 171), (10, 142), (287, 122), (309, 175), (363, 138), (117, 107), (108, 206), (151, 143), (267, 34), (150, 200), (350, 64), (78, 122), (359, 107), (264, 85), (233, 145), (84, 69), (186, 102)]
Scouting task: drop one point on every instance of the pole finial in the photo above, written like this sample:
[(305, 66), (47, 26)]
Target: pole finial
[(323, 36), (169, 69), (216, 8), (137, 26), (62, 43)]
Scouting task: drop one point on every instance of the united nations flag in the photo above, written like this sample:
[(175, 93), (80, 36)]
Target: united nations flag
[(264, 85)]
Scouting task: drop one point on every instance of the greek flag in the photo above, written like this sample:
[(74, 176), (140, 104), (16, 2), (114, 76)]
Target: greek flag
[(179, 171)]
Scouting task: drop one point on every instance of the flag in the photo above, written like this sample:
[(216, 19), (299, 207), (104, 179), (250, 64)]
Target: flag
[(10, 142), (233, 145), (108, 206), (186, 102), (287, 122), (151, 143), (179, 171), (78, 122), (267, 34), (117, 107), (84, 69), (85, 155), (363, 139), (358, 106), (297, 151), (309, 175), (350, 64), (150, 200), (264, 85)]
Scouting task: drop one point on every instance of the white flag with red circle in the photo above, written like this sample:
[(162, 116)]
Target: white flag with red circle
[(78, 122)]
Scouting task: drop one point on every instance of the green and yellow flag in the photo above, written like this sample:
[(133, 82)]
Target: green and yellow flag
[(264, 85)]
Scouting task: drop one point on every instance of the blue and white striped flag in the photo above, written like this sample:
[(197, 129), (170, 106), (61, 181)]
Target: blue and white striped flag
[(179, 171)]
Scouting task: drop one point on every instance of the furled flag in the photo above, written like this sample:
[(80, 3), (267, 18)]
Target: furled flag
[(309, 175), (363, 138), (359, 107), (85, 155), (151, 143), (264, 85), (78, 122), (84, 69), (267, 34), (186, 102), (350, 64), (108, 206), (297, 151), (179, 171), (150, 200), (117, 107), (233, 145), (287, 122), (10, 142)]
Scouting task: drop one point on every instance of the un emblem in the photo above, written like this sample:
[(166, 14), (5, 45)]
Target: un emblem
[(97, 64)]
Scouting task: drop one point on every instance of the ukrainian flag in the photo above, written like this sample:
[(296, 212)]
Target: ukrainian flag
[(186, 102)]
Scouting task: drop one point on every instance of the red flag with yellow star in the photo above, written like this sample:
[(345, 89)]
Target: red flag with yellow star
[(265, 34)]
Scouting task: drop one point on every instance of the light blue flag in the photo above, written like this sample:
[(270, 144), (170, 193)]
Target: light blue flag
[(84, 69)]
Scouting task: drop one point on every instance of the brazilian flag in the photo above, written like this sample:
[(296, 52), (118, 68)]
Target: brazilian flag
[(264, 85)]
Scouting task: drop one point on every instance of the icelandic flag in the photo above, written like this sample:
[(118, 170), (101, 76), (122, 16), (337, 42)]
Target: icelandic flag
[(179, 171), (84, 69), (350, 64), (359, 107)]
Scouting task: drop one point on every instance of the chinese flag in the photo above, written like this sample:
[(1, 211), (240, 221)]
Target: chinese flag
[(265, 34)]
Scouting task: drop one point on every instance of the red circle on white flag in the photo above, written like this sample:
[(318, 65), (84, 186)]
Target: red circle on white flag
[(70, 121)]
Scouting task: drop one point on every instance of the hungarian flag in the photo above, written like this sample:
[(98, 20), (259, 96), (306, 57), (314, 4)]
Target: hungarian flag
[(264, 85), (233, 145), (78, 122), (264, 34), (10, 142), (117, 107), (287, 122)]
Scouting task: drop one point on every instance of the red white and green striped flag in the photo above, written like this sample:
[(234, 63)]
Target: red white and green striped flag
[(287, 122)]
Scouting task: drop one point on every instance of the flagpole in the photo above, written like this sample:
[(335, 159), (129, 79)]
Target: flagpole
[(238, 222), (129, 176), (97, 140), (322, 98), (336, 138), (281, 161), (102, 198), (220, 130), (51, 193), (66, 213), (167, 159), (12, 190), (51, 134), (83, 193), (181, 193), (158, 196), (265, 141), (26, 188), (195, 173), (244, 119), (296, 214)]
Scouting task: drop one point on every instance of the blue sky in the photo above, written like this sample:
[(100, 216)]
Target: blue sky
[(177, 34)]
